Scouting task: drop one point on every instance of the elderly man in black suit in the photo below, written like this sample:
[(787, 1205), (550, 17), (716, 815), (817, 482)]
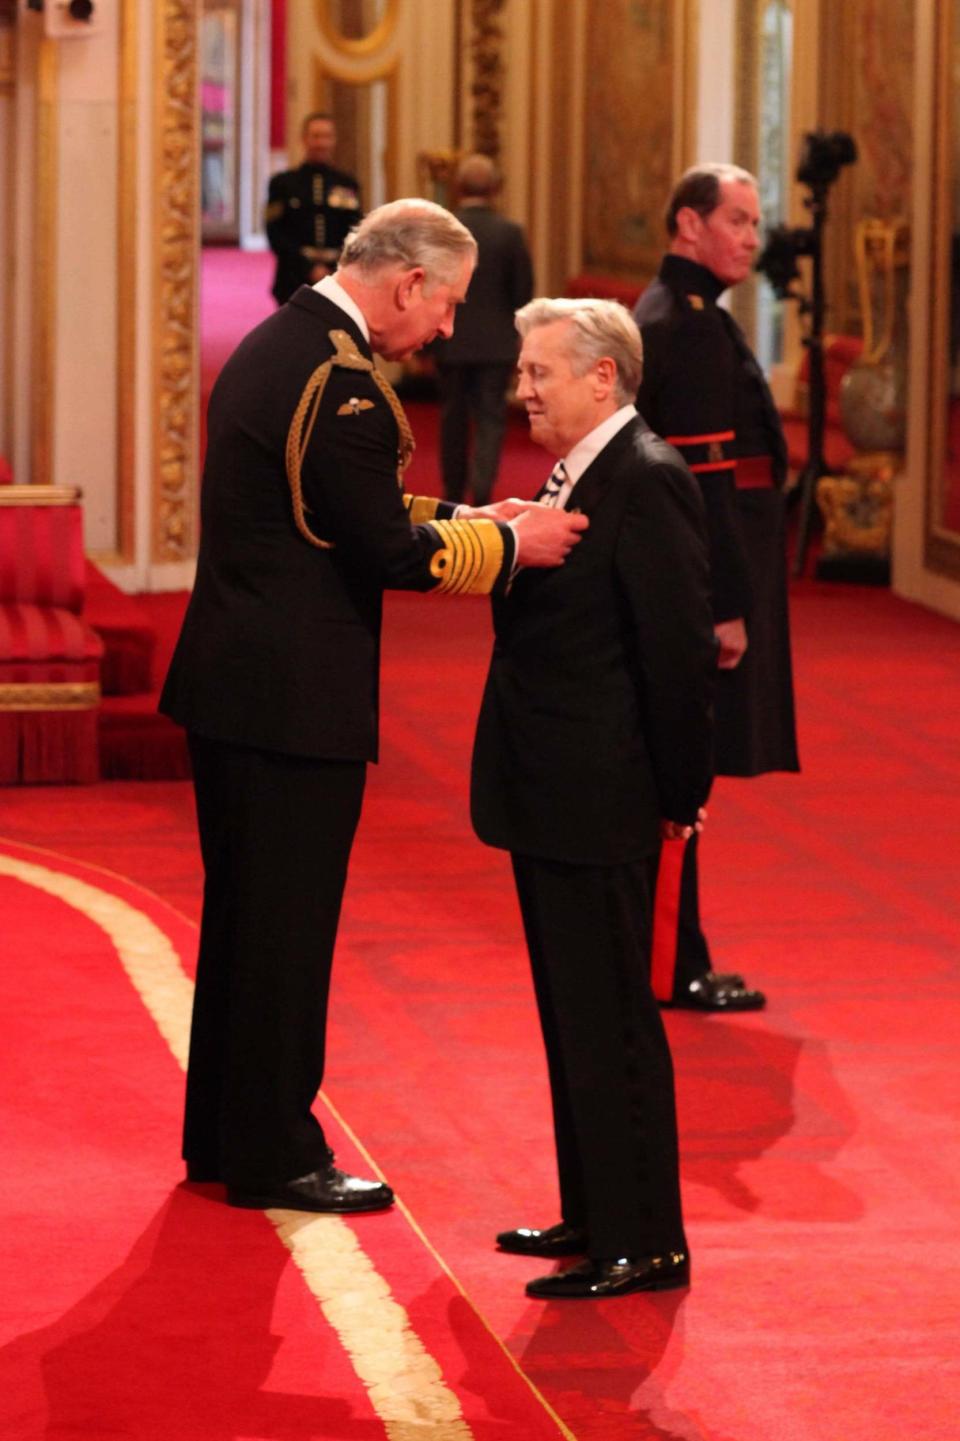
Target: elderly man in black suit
[(275, 677), (475, 365), (593, 742)]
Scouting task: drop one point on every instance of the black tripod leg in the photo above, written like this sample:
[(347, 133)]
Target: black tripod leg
[(807, 487)]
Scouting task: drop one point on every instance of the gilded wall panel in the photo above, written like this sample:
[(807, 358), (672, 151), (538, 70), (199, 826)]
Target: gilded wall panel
[(175, 282), (868, 64), (632, 51)]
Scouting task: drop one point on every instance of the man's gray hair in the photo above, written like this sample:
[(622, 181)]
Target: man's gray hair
[(699, 189), (410, 233), (598, 328)]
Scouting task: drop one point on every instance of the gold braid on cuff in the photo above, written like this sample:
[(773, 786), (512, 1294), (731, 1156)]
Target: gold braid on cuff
[(421, 508), (346, 356), (471, 557)]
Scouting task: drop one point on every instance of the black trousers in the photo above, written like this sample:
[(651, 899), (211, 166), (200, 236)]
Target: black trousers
[(611, 1073), (477, 393), (275, 835), (693, 953)]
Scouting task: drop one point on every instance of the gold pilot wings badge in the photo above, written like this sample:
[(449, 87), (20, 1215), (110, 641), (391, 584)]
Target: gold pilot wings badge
[(353, 406)]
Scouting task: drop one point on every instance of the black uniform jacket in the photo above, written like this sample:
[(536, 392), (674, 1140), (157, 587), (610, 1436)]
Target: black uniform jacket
[(310, 212), (485, 333), (280, 643), (704, 391), (596, 718)]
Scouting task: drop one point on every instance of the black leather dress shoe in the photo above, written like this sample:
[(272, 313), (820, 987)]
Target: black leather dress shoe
[(325, 1190), (202, 1174), (592, 1280), (560, 1240), (719, 991)]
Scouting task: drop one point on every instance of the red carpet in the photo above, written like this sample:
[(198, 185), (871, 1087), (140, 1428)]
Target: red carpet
[(819, 1138)]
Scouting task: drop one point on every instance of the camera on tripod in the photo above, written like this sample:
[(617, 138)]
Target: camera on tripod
[(821, 160)]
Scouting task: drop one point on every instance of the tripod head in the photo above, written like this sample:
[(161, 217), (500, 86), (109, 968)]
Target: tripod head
[(822, 158)]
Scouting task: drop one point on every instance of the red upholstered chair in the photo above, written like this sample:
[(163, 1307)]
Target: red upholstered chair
[(49, 659)]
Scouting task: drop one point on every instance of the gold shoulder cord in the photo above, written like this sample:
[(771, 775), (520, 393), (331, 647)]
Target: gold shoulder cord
[(346, 356), (471, 554)]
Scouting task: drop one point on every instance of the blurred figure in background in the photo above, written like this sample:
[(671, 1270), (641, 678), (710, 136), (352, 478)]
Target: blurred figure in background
[(310, 211), (475, 366)]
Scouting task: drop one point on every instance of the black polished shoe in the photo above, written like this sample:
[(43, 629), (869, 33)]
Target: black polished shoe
[(719, 991), (201, 1174), (559, 1240), (325, 1190), (592, 1280)]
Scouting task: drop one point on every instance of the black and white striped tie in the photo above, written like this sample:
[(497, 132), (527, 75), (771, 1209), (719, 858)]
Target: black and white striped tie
[(550, 494)]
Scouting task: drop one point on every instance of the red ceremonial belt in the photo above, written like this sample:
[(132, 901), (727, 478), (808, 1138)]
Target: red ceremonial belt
[(754, 472)]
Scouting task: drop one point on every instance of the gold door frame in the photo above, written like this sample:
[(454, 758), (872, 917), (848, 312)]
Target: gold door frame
[(176, 252), (366, 44), (942, 546)]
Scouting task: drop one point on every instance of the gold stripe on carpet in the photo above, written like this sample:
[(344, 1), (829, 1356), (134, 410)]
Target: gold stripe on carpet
[(403, 1381), (148, 956)]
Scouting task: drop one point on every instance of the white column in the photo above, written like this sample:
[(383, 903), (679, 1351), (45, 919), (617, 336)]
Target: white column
[(85, 367), (716, 82)]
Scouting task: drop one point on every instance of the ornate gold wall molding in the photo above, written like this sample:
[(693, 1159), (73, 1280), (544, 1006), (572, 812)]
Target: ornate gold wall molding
[(486, 57), (175, 260), (375, 38)]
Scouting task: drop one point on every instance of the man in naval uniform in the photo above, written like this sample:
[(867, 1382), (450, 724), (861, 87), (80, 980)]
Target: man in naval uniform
[(704, 392), (275, 677), (310, 211)]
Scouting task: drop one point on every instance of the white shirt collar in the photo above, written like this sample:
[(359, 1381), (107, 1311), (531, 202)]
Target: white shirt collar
[(331, 289), (586, 450)]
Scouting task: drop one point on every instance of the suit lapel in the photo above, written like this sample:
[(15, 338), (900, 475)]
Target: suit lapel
[(588, 492)]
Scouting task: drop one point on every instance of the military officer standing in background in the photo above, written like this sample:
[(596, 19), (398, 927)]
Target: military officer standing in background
[(310, 211), (705, 393)]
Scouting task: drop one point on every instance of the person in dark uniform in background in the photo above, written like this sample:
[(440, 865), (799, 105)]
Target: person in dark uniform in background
[(275, 677), (476, 364), (704, 391), (593, 742), (310, 211)]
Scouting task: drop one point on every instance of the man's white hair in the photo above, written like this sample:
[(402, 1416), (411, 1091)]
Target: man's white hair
[(598, 328), (409, 233)]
